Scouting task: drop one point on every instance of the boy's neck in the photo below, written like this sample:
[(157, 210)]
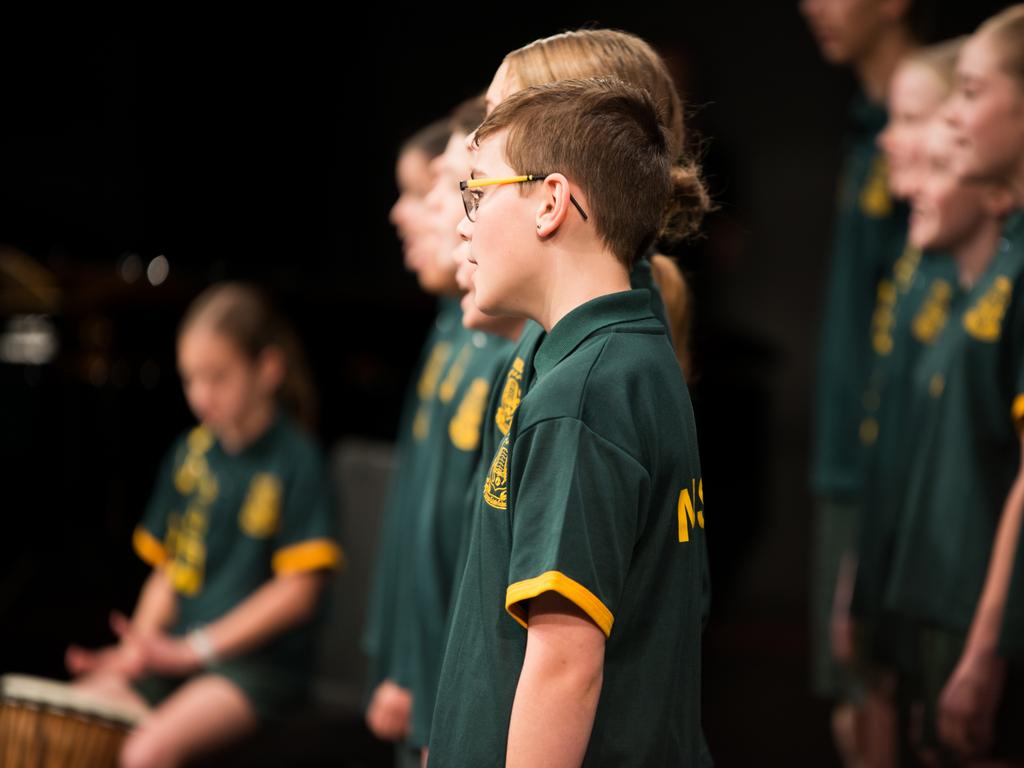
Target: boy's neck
[(974, 255), (511, 330), (253, 426), (575, 279), (874, 70)]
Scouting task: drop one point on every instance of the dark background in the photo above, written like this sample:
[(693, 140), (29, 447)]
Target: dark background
[(268, 154)]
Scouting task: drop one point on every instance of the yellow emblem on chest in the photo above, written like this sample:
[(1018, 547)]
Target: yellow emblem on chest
[(875, 200), (427, 385), (883, 319), (261, 512), (496, 484), (934, 313), (464, 428), (186, 541), (984, 320), (511, 394), (905, 268), (451, 382)]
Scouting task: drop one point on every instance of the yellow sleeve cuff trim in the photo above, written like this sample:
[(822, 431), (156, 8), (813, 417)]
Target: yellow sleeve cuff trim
[(1018, 412), (148, 547), (556, 581), (307, 556)]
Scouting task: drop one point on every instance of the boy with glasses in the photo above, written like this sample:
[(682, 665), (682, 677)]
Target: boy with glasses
[(576, 630)]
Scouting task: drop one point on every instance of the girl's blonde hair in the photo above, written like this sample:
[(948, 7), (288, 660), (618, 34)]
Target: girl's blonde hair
[(588, 53), (1006, 29), (939, 59)]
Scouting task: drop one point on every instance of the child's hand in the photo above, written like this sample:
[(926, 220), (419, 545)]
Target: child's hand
[(389, 710), (123, 659), (967, 706), (156, 651)]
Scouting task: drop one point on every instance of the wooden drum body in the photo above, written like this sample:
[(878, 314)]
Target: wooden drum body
[(49, 724)]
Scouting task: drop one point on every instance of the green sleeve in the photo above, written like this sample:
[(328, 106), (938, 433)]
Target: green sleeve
[(306, 540), (575, 502), (150, 536), (1012, 635)]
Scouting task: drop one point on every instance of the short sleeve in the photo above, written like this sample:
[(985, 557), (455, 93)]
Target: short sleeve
[(1017, 357), (575, 503), (148, 539), (306, 540)]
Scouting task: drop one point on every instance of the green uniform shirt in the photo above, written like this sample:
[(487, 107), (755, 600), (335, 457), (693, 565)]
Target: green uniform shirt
[(870, 232), (966, 452), (441, 513), (1012, 638), (641, 277), (225, 524), (595, 493), (911, 309), (382, 630)]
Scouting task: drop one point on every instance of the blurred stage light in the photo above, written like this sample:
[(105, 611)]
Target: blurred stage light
[(130, 267), (28, 340), (158, 270)]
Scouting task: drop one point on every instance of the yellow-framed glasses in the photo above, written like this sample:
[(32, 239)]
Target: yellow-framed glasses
[(471, 193)]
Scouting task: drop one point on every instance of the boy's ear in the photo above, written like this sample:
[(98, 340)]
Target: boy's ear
[(270, 368), (554, 204)]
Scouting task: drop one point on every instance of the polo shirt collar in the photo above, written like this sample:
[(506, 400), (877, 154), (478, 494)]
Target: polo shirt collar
[(587, 319)]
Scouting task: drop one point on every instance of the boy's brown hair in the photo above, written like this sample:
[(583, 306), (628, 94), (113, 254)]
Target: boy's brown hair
[(605, 136)]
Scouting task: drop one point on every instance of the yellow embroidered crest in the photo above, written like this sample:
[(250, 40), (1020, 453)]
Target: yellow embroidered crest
[(188, 550), (455, 374), (905, 268), (200, 440), (883, 318), (421, 423), (934, 313), (496, 484), (427, 385), (190, 472), (984, 320), (874, 195), (510, 396), (261, 512), (464, 428)]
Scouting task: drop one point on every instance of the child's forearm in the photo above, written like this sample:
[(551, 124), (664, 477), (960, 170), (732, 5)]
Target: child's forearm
[(559, 686), (988, 617), (280, 604), (157, 606)]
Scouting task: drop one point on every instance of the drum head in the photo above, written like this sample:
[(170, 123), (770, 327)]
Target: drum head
[(53, 694)]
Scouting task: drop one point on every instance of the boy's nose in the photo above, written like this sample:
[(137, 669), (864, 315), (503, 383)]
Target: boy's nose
[(465, 229)]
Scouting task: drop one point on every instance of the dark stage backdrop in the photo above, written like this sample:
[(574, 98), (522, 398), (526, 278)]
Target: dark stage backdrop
[(265, 151)]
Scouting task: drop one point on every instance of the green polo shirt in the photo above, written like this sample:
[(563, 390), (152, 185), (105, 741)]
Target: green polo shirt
[(441, 514), (1012, 637), (594, 493), (384, 614), (225, 524), (869, 235), (966, 453), (911, 311)]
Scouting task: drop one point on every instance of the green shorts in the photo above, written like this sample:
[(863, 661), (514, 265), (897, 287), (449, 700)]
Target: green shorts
[(272, 693), (938, 653)]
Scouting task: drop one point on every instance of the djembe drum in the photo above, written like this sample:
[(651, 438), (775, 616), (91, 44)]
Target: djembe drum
[(49, 724)]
